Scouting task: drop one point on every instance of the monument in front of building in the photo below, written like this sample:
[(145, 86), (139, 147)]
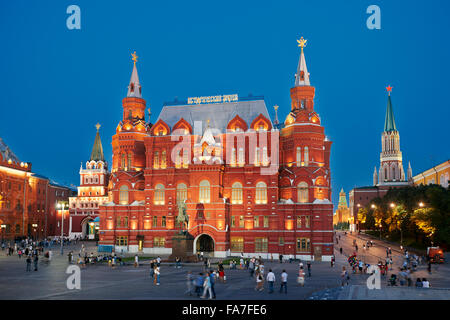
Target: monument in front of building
[(182, 241)]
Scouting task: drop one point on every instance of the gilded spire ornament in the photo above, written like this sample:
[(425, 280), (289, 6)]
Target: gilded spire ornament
[(302, 43), (98, 125), (134, 57)]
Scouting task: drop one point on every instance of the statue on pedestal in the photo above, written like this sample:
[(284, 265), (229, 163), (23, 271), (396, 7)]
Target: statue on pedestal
[(182, 217)]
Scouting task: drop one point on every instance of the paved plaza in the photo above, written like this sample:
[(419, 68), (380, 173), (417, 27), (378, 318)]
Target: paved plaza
[(99, 281)]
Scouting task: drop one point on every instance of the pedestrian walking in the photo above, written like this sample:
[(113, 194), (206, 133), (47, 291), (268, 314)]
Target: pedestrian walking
[(152, 268), (198, 284), (344, 277), (270, 280), (284, 277), (207, 286), (189, 282), (281, 258), (340, 250), (28, 263), (259, 282), (212, 281), (308, 264), (36, 259), (158, 276), (136, 261), (301, 276), (332, 261)]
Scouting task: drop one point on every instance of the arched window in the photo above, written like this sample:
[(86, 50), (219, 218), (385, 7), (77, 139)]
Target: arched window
[(306, 156), (261, 193), (385, 173), (156, 160), (204, 192), (129, 161), (393, 173), (299, 157), (163, 159), (302, 192), (181, 192), (123, 195), (236, 193), (159, 194)]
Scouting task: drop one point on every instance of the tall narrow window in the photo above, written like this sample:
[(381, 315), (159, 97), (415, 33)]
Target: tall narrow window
[(241, 158), (123, 195), (185, 158), (125, 222), (204, 192), (163, 221), (266, 221), (181, 192), (155, 221), (306, 156), (241, 222), (178, 160), (233, 221), (159, 194), (163, 159), (123, 163), (233, 157), (236, 193), (129, 161), (299, 157), (256, 221), (156, 160), (302, 192), (299, 222), (307, 221), (265, 157), (261, 244), (256, 156), (261, 193)]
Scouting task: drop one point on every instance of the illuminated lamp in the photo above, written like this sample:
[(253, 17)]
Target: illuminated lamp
[(289, 224)]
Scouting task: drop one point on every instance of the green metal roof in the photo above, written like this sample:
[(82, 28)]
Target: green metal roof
[(389, 123), (97, 150)]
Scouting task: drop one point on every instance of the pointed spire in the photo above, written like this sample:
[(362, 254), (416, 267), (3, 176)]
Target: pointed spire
[(134, 88), (409, 178), (302, 75), (97, 150), (342, 199), (375, 176), (389, 123), (275, 122)]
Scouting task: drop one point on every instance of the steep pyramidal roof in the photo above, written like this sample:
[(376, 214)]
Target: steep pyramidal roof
[(302, 75), (97, 150), (389, 123), (134, 88)]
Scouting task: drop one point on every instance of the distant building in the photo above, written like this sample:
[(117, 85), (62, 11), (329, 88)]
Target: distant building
[(92, 193), (390, 173), (27, 200), (342, 213), (439, 174)]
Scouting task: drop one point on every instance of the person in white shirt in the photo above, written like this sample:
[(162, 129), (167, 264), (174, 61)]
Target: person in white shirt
[(284, 277), (271, 280), (425, 283), (136, 261)]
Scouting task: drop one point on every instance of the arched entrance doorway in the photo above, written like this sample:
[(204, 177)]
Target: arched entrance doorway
[(204, 243), (89, 228)]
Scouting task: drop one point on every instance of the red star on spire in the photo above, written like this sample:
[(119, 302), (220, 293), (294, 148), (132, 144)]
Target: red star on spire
[(389, 89)]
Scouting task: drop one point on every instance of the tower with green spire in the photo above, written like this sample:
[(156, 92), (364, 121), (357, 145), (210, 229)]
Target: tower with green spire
[(391, 162)]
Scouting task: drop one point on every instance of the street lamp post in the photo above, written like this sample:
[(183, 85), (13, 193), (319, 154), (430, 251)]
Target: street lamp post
[(61, 205)]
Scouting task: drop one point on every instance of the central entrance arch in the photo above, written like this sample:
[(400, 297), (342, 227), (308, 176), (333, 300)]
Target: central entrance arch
[(204, 243)]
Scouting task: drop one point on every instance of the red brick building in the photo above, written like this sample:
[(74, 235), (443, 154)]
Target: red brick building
[(249, 184), (27, 200)]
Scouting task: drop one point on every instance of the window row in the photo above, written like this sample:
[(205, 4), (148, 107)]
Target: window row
[(157, 241), (90, 180), (305, 161), (122, 222), (260, 157), (256, 221), (261, 244), (204, 193)]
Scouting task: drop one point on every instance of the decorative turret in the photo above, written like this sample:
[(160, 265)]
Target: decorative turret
[(375, 176), (302, 75), (410, 175), (134, 88)]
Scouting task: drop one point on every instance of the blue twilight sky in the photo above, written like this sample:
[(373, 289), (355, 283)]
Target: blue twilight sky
[(56, 84)]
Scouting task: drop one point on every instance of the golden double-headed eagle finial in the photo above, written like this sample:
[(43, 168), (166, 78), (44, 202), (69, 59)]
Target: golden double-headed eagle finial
[(302, 42), (135, 57), (98, 126)]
